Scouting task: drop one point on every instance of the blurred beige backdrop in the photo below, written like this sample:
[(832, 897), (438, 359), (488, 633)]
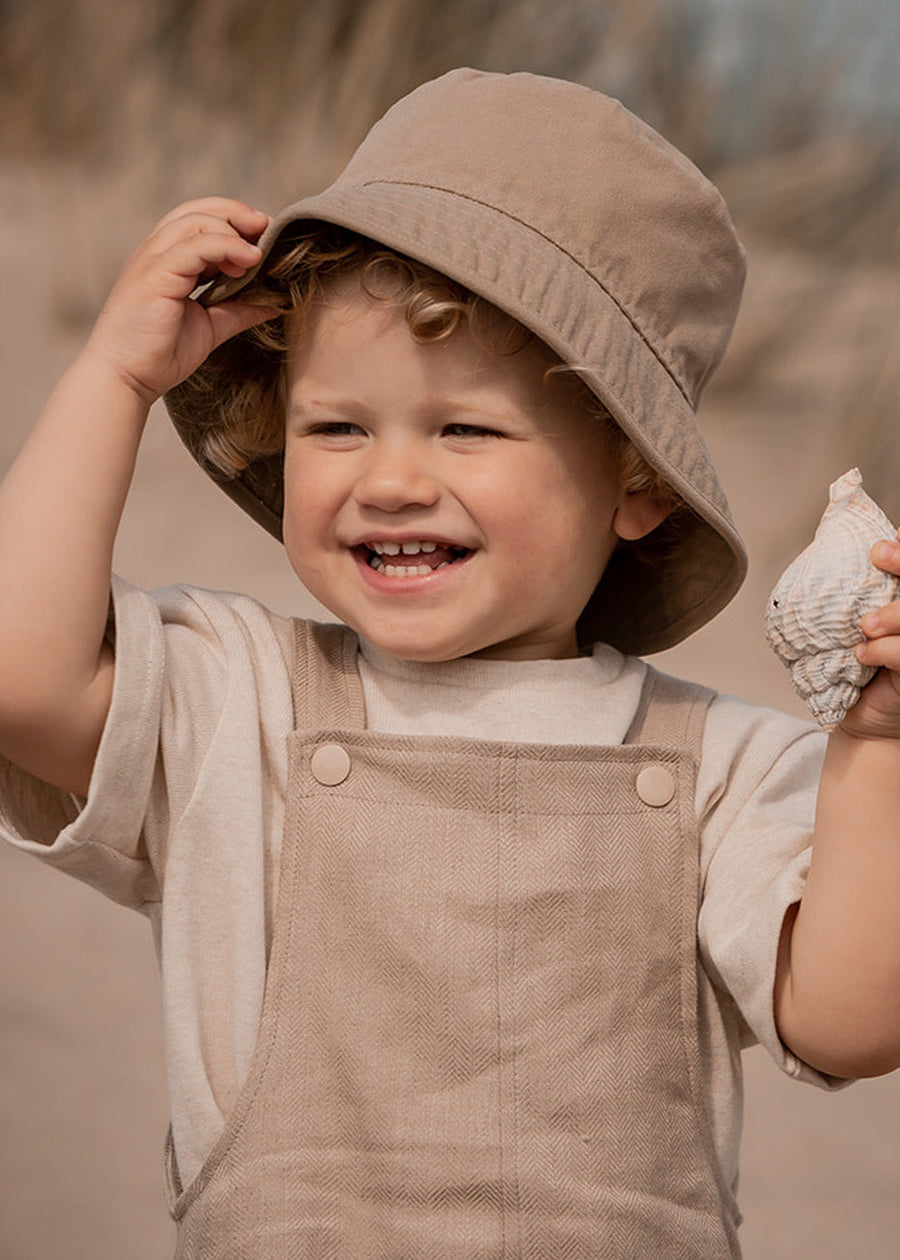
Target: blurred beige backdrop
[(111, 116)]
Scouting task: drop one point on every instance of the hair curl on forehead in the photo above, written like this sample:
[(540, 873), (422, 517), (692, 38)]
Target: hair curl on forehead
[(237, 397), (434, 305)]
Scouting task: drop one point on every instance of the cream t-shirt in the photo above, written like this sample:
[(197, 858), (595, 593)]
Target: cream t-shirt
[(192, 769)]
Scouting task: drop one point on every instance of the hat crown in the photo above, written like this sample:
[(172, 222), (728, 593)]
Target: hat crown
[(579, 169)]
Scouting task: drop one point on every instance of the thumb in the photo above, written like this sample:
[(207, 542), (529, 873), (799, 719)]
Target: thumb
[(227, 319)]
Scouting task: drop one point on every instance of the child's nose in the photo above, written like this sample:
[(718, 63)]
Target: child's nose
[(396, 477)]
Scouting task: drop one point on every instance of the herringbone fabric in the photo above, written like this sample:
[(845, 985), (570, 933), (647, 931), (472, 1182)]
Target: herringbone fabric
[(479, 1032)]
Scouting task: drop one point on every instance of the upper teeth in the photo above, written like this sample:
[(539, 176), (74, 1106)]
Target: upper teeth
[(408, 548)]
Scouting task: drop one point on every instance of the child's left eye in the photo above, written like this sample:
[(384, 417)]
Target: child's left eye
[(470, 431)]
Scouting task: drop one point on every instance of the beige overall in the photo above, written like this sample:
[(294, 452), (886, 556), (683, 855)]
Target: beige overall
[(479, 1036)]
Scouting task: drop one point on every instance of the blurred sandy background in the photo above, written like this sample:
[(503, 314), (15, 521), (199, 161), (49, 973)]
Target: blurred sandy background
[(110, 114)]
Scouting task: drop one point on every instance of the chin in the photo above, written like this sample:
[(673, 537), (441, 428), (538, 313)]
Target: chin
[(417, 651), (409, 646)]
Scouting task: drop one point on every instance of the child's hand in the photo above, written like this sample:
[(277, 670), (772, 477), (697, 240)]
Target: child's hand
[(877, 713), (150, 333)]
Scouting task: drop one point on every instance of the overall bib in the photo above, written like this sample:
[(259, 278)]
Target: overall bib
[(479, 1035)]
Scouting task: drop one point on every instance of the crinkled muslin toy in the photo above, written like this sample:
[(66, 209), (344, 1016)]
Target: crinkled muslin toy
[(812, 622)]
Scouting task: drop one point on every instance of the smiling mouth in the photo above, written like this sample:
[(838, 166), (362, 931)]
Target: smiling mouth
[(411, 559)]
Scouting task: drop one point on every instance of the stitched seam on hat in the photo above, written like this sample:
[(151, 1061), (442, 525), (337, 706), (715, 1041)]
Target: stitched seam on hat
[(401, 183)]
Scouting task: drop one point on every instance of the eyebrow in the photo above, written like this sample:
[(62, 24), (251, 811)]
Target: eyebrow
[(352, 408), (303, 407)]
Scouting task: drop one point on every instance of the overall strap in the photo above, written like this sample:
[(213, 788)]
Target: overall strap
[(671, 712), (326, 683)]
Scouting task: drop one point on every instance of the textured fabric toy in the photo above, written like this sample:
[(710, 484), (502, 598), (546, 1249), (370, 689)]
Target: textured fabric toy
[(813, 617)]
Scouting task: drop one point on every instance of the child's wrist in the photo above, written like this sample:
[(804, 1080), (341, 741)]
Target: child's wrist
[(119, 388)]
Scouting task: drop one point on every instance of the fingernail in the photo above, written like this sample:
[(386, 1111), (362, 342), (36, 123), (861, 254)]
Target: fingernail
[(870, 623)]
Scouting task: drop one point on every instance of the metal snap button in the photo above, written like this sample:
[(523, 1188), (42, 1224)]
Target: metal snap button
[(655, 785), (330, 764)]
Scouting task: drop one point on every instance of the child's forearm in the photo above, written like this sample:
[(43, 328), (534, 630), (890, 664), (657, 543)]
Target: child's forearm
[(60, 506), (838, 988), (61, 501)]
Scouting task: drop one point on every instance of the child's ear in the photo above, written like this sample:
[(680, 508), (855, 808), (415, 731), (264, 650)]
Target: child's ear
[(640, 512)]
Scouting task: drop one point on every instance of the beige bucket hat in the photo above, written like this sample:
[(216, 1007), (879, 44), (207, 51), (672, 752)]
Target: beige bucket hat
[(565, 210)]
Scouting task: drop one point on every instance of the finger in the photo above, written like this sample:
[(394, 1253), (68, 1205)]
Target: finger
[(880, 653), (244, 219), (230, 318), (190, 225), (882, 622), (194, 245), (176, 271), (886, 555)]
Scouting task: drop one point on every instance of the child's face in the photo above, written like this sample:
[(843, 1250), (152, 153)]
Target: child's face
[(442, 500)]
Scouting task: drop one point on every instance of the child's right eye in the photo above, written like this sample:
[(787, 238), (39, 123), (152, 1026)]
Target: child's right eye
[(336, 428)]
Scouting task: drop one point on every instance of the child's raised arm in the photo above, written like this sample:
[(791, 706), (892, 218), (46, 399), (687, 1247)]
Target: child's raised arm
[(62, 499), (838, 985)]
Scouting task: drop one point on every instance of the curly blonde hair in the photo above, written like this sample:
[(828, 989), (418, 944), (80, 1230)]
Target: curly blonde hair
[(236, 399)]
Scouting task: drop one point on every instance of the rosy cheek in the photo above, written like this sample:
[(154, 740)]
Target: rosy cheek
[(297, 486)]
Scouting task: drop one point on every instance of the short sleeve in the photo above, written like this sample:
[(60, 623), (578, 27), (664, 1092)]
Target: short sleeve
[(177, 652), (756, 797), (99, 840)]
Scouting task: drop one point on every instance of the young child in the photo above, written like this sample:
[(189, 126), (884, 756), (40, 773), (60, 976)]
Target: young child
[(464, 913)]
